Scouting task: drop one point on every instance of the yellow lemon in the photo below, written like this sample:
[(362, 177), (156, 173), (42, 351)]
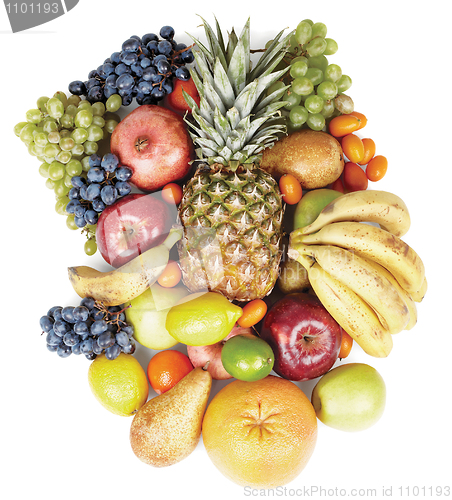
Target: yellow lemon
[(202, 318), (120, 385)]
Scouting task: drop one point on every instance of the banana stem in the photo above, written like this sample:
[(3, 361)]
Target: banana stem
[(299, 253), (296, 233), (173, 237)]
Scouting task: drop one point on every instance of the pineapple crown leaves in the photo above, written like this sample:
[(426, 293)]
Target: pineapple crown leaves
[(234, 120)]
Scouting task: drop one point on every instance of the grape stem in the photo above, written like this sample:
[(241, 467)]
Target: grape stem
[(111, 317), (183, 50), (166, 75), (90, 234)]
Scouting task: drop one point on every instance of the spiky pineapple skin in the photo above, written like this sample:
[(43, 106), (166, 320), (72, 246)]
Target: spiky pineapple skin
[(232, 224), (231, 210)]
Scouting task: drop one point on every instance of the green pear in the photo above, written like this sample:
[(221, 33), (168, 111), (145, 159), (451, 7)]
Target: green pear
[(350, 397), (167, 428), (311, 204), (147, 314)]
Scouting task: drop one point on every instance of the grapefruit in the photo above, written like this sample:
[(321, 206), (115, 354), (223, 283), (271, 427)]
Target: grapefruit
[(260, 434)]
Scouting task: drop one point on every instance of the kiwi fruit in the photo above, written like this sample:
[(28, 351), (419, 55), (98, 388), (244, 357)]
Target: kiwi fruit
[(293, 277)]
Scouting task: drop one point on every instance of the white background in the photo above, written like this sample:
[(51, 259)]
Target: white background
[(56, 439)]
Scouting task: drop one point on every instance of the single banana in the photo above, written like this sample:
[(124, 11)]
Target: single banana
[(347, 308), (381, 207), (365, 280), (420, 294), (374, 243), (128, 281), (409, 302)]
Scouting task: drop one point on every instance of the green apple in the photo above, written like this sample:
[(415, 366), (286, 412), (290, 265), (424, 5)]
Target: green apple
[(312, 203), (350, 397), (147, 314)]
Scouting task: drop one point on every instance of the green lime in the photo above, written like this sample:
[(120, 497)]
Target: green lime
[(247, 357), (312, 203), (202, 318)]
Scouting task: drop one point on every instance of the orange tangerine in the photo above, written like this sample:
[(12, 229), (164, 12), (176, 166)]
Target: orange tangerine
[(167, 368)]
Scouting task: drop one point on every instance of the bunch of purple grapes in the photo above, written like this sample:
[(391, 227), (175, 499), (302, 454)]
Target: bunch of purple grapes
[(105, 182), (144, 69), (89, 328)]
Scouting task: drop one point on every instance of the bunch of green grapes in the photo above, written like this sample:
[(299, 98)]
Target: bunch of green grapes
[(62, 132), (314, 87)]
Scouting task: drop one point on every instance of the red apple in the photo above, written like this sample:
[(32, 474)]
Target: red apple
[(131, 226), (154, 143), (305, 338), (200, 355)]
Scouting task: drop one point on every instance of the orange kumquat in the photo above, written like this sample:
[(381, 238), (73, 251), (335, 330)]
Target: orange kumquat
[(355, 179), (346, 345), (337, 185), (291, 189), (353, 148), (369, 151), (171, 275), (362, 118), (376, 168), (344, 124), (172, 193), (253, 312)]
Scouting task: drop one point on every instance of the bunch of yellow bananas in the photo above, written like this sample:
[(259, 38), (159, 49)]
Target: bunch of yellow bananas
[(366, 276)]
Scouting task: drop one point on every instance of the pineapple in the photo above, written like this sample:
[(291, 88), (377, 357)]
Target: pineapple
[(231, 210)]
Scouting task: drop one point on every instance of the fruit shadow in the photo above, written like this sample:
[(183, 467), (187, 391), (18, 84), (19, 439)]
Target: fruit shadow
[(308, 386), (355, 355)]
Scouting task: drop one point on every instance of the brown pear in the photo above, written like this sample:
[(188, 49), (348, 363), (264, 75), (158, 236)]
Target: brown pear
[(167, 428), (315, 158)]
